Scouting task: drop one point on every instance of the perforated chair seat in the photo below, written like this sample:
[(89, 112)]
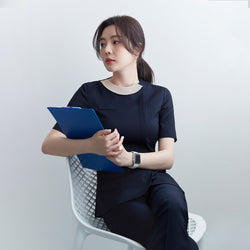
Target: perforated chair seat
[(83, 183)]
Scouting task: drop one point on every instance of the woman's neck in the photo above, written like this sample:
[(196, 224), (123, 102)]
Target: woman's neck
[(124, 80)]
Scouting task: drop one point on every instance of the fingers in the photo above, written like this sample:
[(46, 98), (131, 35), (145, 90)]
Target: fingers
[(112, 141), (113, 135), (104, 132), (117, 148), (114, 153), (118, 145)]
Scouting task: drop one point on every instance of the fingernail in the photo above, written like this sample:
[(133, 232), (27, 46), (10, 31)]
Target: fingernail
[(108, 130)]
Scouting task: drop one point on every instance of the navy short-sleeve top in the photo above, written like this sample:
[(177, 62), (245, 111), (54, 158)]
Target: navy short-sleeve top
[(142, 118)]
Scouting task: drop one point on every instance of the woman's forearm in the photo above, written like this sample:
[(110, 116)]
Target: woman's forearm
[(60, 146), (103, 142), (163, 159)]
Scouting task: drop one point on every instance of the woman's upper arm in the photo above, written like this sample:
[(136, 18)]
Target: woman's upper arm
[(52, 134), (166, 143), (56, 133)]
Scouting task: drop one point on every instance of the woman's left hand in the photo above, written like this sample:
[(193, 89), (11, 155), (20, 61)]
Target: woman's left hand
[(123, 159)]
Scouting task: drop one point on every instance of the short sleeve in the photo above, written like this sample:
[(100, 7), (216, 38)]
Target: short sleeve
[(79, 99), (166, 118)]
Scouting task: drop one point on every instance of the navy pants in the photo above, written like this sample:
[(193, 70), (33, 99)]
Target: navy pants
[(158, 220)]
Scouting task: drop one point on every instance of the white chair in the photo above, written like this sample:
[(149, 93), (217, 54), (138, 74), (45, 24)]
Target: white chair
[(83, 193)]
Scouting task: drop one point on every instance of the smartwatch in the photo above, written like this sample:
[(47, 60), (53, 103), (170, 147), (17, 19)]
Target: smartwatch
[(136, 160)]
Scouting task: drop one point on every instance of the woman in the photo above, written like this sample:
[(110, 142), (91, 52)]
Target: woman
[(144, 203)]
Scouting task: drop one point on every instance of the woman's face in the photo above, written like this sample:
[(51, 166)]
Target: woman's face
[(113, 48)]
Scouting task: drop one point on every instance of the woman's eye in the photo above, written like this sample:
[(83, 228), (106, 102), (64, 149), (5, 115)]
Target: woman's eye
[(103, 44)]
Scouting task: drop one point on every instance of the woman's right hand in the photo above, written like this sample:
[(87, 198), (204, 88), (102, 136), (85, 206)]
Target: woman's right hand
[(106, 143)]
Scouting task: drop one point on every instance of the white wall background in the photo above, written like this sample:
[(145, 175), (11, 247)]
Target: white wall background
[(198, 49)]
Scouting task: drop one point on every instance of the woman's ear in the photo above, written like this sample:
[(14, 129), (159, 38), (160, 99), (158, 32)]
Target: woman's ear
[(137, 51)]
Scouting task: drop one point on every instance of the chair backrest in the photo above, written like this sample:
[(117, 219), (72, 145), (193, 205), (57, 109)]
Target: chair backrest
[(83, 183), (191, 226)]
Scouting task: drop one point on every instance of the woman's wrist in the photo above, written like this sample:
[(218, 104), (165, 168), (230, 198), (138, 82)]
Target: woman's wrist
[(130, 159), (89, 145)]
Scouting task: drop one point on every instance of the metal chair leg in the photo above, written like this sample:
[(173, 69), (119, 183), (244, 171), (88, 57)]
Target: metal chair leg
[(80, 237)]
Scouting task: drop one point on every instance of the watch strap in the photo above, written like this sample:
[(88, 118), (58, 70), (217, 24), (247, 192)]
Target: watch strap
[(136, 160)]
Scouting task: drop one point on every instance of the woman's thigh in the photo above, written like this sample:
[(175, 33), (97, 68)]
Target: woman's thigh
[(168, 195), (133, 219)]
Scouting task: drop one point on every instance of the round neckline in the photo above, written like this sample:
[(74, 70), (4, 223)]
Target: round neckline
[(121, 90)]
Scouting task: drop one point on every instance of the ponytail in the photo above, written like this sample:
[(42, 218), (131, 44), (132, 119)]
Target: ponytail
[(144, 71)]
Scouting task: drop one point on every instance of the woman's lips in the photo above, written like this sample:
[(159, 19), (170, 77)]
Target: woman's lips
[(109, 61)]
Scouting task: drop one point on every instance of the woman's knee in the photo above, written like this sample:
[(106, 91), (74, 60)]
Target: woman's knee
[(169, 199), (133, 219)]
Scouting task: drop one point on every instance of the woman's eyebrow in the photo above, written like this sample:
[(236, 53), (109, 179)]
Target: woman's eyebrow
[(102, 38)]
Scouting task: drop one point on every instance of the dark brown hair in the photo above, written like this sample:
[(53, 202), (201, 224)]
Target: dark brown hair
[(132, 36)]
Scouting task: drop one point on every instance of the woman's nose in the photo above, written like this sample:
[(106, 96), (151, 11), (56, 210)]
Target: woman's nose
[(108, 49)]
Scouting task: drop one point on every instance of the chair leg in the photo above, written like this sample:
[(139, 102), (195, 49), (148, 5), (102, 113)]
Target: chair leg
[(79, 238), (200, 243)]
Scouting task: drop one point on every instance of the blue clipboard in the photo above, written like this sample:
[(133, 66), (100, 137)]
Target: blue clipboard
[(82, 123)]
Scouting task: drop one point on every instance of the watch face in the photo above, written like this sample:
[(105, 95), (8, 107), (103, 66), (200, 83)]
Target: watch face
[(137, 159)]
